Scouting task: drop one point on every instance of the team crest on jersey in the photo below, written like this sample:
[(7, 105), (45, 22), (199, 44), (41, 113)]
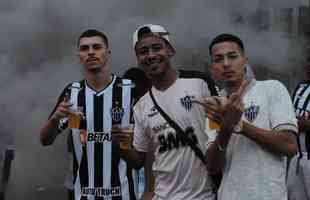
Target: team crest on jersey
[(187, 102), (117, 113), (251, 112)]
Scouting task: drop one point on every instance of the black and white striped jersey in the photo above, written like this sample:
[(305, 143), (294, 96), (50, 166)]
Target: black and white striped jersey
[(99, 171), (301, 99)]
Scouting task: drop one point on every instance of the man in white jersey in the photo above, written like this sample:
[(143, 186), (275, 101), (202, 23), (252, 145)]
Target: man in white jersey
[(100, 171), (252, 152), (298, 180), (179, 172)]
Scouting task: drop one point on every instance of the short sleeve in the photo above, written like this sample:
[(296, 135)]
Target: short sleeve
[(281, 113), (141, 139)]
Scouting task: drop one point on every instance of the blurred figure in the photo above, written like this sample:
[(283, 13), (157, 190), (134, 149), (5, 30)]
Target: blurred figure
[(298, 180), (7, 153), (90, 108), (258, 128)]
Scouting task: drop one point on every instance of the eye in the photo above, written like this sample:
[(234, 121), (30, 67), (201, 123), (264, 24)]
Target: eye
[(218, 59), (84, 48), (97, 46), (142, 51), (157, 47), (232, 56)]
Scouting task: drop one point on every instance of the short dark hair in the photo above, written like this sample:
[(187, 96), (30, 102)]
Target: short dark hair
[(226, 37), (93, 33), (138, 76)]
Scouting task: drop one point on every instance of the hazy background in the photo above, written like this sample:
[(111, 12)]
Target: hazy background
[(37, 58)]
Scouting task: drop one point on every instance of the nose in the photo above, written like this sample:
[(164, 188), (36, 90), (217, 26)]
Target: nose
[(226, 61), (91, 51), (151, 53)]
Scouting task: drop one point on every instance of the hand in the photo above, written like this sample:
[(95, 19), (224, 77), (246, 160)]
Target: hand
[(63, 109), (233, 110), (122, 135)]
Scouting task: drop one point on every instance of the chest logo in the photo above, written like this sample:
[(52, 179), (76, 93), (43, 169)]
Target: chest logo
[(187, 102), (117, 113), (251, 112)]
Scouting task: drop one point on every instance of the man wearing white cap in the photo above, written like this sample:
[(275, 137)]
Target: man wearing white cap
[(179, 142)]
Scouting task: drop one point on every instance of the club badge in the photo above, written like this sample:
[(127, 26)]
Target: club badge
[(251, 112), (187, 102), (117, 113)]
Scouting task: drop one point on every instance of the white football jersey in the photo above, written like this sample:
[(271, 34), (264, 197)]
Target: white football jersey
[(252, 172), (179, 173)]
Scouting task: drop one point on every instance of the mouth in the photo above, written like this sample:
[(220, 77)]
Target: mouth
[(153, 65), (92, 59), (228, 74)]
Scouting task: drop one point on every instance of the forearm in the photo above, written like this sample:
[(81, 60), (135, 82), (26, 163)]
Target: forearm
[(48, 132), (280, 143), (217, 150), (133, 157)]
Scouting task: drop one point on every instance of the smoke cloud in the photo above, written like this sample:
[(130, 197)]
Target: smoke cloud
[(37, 58)]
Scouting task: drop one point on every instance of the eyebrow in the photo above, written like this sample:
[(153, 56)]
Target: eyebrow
[(228, 53)]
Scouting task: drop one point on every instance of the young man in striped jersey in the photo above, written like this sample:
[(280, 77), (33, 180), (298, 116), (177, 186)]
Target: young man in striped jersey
[(179, 173), (252, 154), (99, 169), (298, 180)]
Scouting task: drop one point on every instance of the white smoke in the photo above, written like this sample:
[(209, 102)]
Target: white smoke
[(37, 58)]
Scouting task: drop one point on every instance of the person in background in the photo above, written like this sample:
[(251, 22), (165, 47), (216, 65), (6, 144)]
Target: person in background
[(298, 180), (7, 154)]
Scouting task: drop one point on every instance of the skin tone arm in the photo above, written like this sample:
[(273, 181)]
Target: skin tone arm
[(281, 143), (148, 177), (133, 157), (228, 116), (48, 132)]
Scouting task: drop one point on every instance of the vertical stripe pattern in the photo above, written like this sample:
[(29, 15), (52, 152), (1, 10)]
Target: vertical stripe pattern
[(99, 171)]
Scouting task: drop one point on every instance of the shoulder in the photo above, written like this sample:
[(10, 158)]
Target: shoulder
[(271, 85), (203, 76)]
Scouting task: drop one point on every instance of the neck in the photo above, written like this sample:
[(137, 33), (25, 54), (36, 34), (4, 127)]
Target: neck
[(98, 80), (165, 80), (232, 87)]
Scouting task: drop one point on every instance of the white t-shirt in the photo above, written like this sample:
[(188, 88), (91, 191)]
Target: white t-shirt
[(251, 172), (179, 173)]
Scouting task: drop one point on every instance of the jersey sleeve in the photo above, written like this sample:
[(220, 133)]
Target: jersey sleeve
[(141, 137), (282, 113)]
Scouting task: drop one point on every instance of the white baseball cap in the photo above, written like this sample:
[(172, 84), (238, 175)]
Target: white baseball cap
[(151, 29)]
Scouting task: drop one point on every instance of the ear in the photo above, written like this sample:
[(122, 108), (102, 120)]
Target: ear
[(171, 52)]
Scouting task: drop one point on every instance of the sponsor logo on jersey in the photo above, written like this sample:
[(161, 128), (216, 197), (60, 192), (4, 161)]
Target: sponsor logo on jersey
[(98, 137), (101, 192), (171, 140), (187, 102), (117, 113), (251, 112), (153, 112)]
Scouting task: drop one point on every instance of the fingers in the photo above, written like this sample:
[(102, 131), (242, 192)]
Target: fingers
[(242, 87)]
